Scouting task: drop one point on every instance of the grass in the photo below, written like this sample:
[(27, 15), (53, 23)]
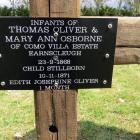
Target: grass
[(16, 113), (103, 114), (112, 114)]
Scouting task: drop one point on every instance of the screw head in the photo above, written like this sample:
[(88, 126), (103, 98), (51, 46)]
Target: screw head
[(56, 34), (56, 84), (110, 26), (0, 55), (2, 83), (107, 55), (55, 57), (105, 82)]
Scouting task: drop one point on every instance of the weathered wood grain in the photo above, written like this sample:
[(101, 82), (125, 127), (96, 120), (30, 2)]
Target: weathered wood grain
[(128, 41), (128, 31), (57, 108), (43, 114), (65, 8), (125, 55), (39, 8)]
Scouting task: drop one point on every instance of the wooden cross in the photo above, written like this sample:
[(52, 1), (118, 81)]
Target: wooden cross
[(55, 111)]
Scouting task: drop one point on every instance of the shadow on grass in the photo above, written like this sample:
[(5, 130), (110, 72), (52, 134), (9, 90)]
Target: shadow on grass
[(30, 136), (90, 131)]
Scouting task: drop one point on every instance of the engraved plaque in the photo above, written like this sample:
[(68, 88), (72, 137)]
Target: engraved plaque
[(56, 53)]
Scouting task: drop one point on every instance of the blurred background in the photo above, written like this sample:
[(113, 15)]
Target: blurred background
[(88, 7)]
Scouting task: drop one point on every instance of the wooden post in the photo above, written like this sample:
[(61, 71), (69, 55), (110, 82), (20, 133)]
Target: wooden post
[(55, 111)]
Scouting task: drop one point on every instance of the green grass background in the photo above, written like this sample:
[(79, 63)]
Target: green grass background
[(103, 114)]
